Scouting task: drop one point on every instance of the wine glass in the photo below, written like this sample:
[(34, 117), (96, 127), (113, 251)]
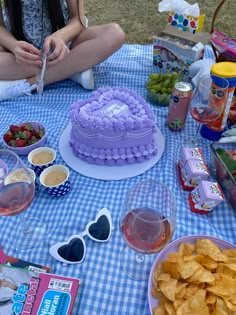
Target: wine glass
[(147, 224), (208, 100), (17, 191)]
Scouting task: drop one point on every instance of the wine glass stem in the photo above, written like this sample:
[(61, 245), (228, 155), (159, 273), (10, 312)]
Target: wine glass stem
[(198, 128), (26, 227), (140, 258)]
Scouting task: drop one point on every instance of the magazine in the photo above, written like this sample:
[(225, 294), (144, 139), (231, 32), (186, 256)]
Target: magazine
[(24, 292), (20, 263), (17, 262), (3, 258)]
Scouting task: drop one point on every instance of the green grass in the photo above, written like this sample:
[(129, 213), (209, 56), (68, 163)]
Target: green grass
[(140, 19)]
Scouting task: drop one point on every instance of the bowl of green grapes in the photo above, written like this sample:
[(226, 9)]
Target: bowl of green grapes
[(159, 87)]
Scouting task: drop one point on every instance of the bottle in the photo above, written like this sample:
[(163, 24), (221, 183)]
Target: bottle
[(213, 131)]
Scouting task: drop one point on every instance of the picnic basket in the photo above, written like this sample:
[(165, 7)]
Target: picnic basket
[(219, 41)]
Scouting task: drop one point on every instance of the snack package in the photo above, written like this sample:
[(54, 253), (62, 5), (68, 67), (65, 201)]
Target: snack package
[(205, 197), (232, 112), (192, 173), (188, 153), (175, 50), (225, 46)]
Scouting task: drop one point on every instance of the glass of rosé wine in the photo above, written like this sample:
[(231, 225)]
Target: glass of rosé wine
[(17, 191), (147, 224), (208, 100)]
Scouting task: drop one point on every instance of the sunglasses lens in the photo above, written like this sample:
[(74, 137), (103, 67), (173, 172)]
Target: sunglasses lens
[(73, 252), (101, 229)]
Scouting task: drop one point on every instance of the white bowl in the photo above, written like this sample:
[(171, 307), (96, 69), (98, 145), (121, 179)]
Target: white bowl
[(173, 247)]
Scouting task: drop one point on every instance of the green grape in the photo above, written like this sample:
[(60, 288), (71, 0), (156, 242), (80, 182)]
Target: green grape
[(154, 76), (150, 82), (168, 75), (152, 91), (163, 90), (166, 83), (157, 88), (175, 75)]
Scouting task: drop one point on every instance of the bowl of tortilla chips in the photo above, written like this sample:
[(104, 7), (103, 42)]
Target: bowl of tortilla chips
[(194, 275)]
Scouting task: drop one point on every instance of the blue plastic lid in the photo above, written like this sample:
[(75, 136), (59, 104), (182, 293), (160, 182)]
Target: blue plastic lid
[(225, 69), (232, 82), (221, 82), (209, 134)]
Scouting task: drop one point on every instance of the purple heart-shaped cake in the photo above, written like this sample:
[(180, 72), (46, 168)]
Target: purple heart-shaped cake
[(115, 126)]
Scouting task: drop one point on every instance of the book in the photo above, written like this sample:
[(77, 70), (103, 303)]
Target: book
[(25, 292)]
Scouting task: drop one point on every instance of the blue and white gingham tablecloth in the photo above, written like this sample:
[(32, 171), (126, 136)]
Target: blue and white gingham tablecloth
[(104, 289)]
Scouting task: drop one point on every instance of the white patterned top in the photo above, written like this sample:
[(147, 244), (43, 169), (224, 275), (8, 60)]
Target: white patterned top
[(35, 19)]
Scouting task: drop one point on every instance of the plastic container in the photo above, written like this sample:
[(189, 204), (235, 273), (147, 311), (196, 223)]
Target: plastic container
[(225, 177), (214, 130)]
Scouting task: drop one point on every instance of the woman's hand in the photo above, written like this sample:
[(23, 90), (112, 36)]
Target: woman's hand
[(58, 48), (26, 53)]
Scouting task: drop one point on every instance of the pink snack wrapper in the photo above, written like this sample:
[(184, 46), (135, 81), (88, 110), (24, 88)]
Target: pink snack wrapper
[(206, 196), (192, 173), (190, 153)]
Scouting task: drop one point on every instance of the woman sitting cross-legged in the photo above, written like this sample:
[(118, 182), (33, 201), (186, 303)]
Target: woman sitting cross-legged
[(59, 28)]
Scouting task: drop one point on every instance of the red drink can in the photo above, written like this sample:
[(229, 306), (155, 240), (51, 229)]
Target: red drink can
[(178, 107)]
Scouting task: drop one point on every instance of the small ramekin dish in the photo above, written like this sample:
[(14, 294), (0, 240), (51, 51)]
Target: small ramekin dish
[(27, 149), (55, 179), (41, 158)]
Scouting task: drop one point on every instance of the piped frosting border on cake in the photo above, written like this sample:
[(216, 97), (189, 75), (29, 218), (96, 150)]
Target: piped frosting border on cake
[(114, 156)]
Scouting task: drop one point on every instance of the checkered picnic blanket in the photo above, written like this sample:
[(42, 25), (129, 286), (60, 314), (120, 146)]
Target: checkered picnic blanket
[(105, 289)]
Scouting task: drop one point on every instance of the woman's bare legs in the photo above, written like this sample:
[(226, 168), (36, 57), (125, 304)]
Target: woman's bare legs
[(94, 45)]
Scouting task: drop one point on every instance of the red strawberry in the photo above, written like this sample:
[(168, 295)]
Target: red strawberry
[(35, 134), (26, 127), (33, 140), (14, 128), (26, 134), (17, 135), (12, 143), (41, 133), (20, 143), (8, 136)]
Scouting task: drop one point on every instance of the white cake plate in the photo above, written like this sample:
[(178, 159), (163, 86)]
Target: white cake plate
[(105, 172)]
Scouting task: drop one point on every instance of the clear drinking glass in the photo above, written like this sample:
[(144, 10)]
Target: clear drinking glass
[(202, 108), (147, 224), (17, 190)]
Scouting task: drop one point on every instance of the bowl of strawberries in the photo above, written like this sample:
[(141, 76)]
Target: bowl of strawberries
[(23, 138)]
